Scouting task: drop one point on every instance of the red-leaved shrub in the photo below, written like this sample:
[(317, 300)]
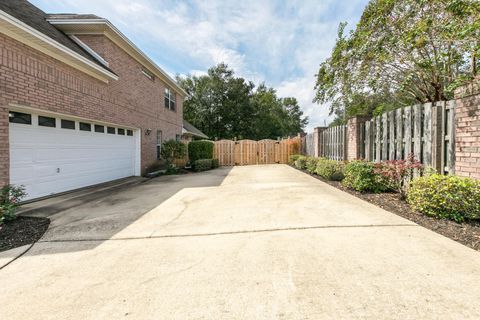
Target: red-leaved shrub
[(398, 173)]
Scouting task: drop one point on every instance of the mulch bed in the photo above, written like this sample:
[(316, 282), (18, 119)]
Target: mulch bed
[(22, 231), (467, 233)]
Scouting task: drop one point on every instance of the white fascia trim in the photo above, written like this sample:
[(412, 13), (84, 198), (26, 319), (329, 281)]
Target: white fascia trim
[(89, 50), (37, 34), (123, 37)]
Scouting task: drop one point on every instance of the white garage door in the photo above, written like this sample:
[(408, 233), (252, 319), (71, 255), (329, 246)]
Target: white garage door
[(52, 154)]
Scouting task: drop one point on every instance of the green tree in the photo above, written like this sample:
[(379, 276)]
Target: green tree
[(401, 52), (224, 106)]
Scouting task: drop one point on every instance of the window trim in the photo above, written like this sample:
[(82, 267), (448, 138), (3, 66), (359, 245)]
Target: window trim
[(159, 144), (47, 126), (62, 121), (84, 123), (171, 96), (29, 118)]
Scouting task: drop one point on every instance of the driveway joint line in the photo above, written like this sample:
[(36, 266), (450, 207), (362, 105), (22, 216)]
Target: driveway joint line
[(189, 235)]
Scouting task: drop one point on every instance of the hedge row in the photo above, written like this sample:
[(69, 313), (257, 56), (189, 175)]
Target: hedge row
[(445, 197), (205, 164)]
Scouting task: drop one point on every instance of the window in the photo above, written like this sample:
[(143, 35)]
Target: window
[(129, 133), (121, 131), (159, 143), (18, 117), (169, 99), (148, 74), (85, 126), (110, 130), (177, 137), (99, 128), (46, 122), (68, 124)]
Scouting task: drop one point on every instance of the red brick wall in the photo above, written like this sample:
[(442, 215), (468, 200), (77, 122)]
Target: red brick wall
[(467, 131), (32, 79), (353, 137)]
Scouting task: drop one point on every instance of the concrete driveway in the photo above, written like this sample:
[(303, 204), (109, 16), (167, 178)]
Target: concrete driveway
[(256, 242)]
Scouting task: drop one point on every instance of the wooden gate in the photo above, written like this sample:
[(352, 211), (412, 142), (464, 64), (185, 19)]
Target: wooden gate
[(250, 152), (266, 151)]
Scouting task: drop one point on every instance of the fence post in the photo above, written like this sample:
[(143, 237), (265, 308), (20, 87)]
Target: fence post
[(467, 130), (354, 135), (318, 141)]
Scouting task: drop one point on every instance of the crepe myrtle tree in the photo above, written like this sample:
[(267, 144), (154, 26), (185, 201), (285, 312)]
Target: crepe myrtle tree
[(401, 52)]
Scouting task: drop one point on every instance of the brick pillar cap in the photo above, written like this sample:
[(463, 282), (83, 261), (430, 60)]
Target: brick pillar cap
[(469, 89)]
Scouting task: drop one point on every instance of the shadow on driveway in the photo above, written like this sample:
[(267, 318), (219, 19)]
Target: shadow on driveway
[(95, 216)]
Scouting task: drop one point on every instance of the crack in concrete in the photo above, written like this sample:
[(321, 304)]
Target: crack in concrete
[(189, 235)]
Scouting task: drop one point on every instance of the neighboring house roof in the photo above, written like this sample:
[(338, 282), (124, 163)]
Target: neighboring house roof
[(189, 129)]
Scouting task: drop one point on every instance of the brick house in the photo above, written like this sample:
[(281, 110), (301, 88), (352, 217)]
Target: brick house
[(80, 104)]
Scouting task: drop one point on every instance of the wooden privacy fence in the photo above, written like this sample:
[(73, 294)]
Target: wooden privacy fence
[(424, 130), (333, 143), (249, 152)]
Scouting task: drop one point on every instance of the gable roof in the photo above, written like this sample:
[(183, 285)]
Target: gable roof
[(78, 24), (188, 128), (37, 19)]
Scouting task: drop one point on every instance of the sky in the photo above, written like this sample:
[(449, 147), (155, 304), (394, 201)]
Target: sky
[(281, 43)]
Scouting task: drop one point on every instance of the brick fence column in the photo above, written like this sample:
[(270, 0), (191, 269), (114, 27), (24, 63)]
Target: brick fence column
[(317, 146), (467, 130), (4, 151), (354, 139)]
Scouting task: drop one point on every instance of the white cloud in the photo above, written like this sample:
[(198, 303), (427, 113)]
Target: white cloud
[(279, 42)]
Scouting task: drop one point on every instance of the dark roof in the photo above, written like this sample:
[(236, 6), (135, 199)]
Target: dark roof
[(36, 18), (72, 16), (192, 130)]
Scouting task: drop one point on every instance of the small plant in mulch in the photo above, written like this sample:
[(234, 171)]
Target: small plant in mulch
[(10, 197), (446, 197), (397, 174)]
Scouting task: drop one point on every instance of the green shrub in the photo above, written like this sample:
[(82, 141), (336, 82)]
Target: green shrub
[(311, 164), (293, 158), (449, 197), (215, 163), (171, 150), (301, 162), (361, 176), (330, 169), (202, 165), (10, 197), (201, 149)]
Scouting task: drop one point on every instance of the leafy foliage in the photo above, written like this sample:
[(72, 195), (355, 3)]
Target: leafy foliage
[(449, 197), (361, 176), (201, 149), (293, 158), (171, 150), (311, 164), (203, 164), (10, 197), (398, 173), (224, 106), (400, 53), (301, 162), (330, 169)]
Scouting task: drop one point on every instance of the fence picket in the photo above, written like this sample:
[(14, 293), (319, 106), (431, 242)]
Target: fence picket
[(399, 138), (408, 131)]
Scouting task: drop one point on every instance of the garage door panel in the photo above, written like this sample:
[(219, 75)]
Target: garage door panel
[(52, 160), (21, 155)]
